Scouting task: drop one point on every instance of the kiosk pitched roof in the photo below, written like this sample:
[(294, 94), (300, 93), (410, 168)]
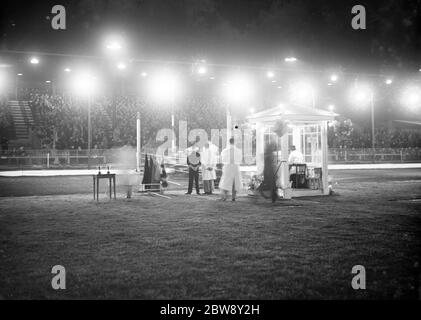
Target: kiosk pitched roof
[(292, 112)]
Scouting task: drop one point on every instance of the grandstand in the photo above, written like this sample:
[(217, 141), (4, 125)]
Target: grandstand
[(55, 125)]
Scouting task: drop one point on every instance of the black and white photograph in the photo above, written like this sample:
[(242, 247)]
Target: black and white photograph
[(224, 151)]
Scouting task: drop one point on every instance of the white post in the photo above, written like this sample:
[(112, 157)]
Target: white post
[(48, 160), (373, 137), (89, 132), (229, 125), (138, 144), (173, 148), (324, 158)]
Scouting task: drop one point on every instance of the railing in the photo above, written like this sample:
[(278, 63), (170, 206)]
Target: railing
[(76, 158), (79, 158), (379, 155), (53, 158)]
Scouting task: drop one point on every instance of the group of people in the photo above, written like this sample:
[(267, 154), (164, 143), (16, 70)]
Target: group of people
[(206, 160), (231, 158)]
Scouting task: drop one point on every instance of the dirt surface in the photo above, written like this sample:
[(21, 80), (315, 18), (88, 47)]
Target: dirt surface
[(196, 247)]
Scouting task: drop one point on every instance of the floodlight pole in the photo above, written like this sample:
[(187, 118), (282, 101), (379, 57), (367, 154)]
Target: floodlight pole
[(373, 138), (138, 145), (16, 86), (173, 149), (172, 127), (89, 131), (229, 124), (53, 87)]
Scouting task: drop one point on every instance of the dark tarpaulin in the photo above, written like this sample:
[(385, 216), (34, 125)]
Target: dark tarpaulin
[(146, 172), (150, 172), (155, 171)]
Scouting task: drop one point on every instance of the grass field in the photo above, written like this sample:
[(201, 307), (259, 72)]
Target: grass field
[(195, 247)]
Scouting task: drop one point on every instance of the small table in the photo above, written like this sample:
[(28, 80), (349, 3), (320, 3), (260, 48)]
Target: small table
[(97, 177), (300, 172)]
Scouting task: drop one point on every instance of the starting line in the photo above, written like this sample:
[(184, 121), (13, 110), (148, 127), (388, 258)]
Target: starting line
[(86, 172)]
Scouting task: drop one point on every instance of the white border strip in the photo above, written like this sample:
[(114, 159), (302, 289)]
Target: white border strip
[(57, 173), (375, 166)]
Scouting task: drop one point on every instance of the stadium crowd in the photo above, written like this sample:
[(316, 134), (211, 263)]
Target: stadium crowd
[(61, 122), (344, 134)]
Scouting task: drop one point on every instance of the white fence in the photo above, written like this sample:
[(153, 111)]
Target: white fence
[(379, 155), (102, 157)]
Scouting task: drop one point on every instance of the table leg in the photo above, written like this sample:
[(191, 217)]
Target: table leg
[(109, 182), (93, 179), (114, 187), (97, 189)]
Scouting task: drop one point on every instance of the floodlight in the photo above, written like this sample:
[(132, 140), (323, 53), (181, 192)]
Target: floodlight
[(361, 94), (202, 70), (164, 86), (302, 92), (270, 74), (200, 67), (113, 45), (290, 59), (121, 66), (84, 84), (334, 78), (34, 60), (411, 97), (239, 89)]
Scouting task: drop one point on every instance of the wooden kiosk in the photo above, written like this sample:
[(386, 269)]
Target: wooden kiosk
[(307, 131)]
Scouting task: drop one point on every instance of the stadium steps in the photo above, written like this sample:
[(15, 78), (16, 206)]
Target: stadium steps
[(22, 118), (108, 119)]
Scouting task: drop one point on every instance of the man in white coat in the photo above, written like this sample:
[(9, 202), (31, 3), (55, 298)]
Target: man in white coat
[(231, 158), (208, 160)]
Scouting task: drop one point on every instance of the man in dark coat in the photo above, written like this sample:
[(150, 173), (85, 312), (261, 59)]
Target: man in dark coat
[(193, 161)]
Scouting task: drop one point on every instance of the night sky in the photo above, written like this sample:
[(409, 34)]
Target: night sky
[(254, 32), (226, 30)]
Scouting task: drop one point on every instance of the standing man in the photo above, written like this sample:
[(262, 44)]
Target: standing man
[(126, 165), (231, 158), (295, 156), (193, 161), (208, 159)]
